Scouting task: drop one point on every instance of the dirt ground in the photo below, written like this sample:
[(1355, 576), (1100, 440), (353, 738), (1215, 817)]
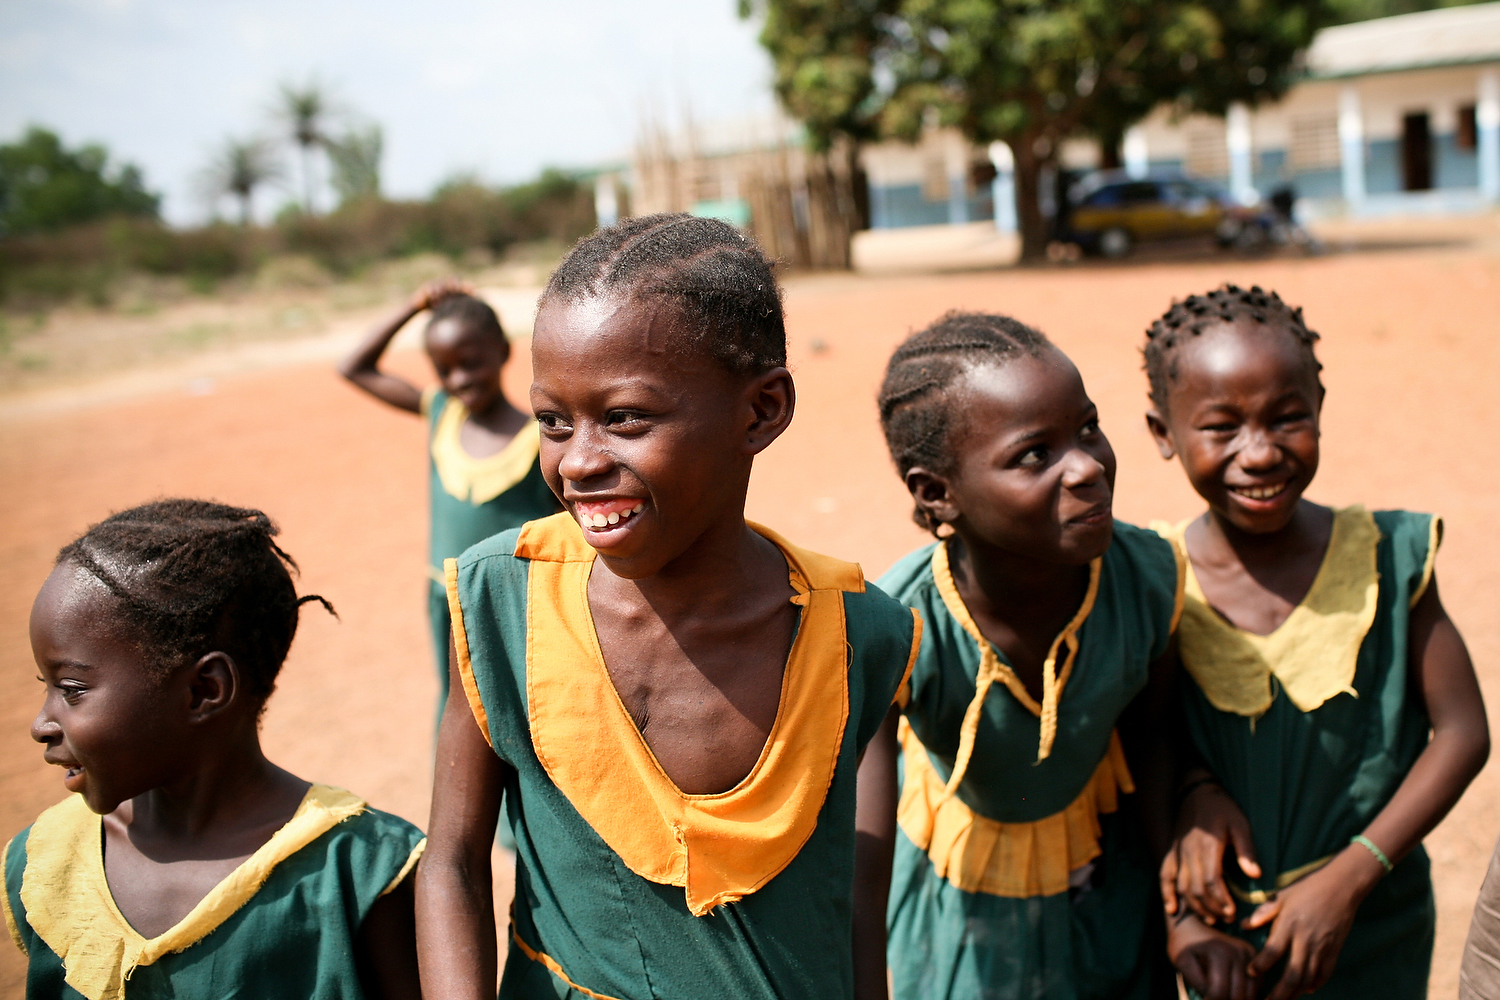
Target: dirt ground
[(1409, 345)]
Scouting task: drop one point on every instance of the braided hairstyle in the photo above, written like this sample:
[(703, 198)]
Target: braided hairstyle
[(473, 314), (919, 410), (721, 282), (1197, 313), (191, 577)]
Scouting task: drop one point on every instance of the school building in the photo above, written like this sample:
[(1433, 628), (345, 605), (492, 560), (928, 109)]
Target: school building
[(1398, 115)]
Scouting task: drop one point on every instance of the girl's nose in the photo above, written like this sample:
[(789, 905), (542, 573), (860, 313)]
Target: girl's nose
[(1259, 452), (583, 458), (44, 729), (1081, 469)]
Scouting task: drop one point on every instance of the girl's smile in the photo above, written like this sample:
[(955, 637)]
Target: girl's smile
[(1244, 419), (634, 420)]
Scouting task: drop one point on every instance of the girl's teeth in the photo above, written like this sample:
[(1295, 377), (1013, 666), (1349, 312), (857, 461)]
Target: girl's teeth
[(614, 519), (638, 507)]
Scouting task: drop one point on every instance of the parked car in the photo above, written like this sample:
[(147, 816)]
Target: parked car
[(1110, 213)]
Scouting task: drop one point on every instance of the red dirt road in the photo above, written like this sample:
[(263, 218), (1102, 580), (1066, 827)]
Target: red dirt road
[(1409, 346)]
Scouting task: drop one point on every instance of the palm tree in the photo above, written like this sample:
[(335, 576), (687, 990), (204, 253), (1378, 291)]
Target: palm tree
[(356, 162), (306, 111), (241, 166)]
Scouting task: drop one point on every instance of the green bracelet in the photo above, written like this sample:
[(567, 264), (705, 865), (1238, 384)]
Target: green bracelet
[(1369, 845)]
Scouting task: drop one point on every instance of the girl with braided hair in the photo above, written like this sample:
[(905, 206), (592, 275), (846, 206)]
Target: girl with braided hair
[(186, 864), (1034, 765), (1329, 698), (482, 470), (674, 701)]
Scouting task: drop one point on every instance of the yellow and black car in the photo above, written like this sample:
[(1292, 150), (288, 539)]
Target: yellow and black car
[(1110, 214)]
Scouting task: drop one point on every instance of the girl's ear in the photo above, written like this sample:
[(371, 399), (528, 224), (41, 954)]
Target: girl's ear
[(771, 399), (1157, 425), (213, 685), (933, 495)]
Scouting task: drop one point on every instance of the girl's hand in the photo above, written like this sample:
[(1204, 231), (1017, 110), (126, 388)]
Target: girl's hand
[(1310, 919), (434, 292), (1213, 964), (1208, 822)]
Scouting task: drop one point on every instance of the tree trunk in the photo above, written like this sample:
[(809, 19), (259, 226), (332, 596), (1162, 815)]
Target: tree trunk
[(1033, 224), (1111, 141)]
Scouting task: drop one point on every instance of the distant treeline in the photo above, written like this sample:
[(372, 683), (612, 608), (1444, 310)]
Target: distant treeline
[(71, 224)]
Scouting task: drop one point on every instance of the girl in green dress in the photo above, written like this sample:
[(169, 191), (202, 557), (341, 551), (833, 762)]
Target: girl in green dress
[(1035, 770), (673, 701), (482, 470), (186, 865), (1331, 700)]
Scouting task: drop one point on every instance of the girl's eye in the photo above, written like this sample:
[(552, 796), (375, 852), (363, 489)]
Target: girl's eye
[(622, 419), (551, 422), (1091, 428), (71, 693), (1033, 457)]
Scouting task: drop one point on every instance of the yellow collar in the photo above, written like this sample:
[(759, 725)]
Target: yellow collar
[(718, 848), (69, 905), (992, 668), (479, 480), (1313, 654)]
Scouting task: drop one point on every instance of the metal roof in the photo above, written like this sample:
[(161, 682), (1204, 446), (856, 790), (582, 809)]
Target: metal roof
[(1448, 36)]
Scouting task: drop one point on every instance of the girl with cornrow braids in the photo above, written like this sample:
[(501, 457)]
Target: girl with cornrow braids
[(1035, 770), (674, 702), (186, 864), (482, 471), (1328, 698)]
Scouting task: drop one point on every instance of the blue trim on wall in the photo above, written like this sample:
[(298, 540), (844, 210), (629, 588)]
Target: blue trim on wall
[(898, 205)]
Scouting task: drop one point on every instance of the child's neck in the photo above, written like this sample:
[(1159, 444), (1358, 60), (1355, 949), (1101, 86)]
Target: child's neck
[(1005, 586), (230, 788), (1305, 533)]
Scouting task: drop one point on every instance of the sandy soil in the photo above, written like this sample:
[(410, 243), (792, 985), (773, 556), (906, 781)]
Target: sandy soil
[(1409, 350)]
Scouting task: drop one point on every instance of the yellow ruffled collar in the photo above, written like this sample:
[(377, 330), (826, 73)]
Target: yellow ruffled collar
[(1312, 655), (479, 480), (69, 905)]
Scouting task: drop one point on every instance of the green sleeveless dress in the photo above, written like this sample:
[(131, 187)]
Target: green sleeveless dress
[(1312, 728), (471, 499), (1028, 878), (283, 924), (626, 887)]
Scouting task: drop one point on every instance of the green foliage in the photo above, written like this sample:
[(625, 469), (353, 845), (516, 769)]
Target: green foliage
[(356, 162), (1365, 10), (242, 166), (44, 186), (464, 215), (1028, 72)]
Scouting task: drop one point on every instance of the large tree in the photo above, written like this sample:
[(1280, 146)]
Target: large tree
[(46, 186), (1027, 72), (241, 166)]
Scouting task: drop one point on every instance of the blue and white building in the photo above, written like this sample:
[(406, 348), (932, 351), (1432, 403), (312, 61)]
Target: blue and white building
[(1393, 116)]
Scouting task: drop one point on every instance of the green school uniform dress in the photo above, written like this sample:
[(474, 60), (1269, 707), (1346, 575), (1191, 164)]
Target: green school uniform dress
[(472, 499), (1312, 728), (1020, 868), (282, 924), (625, 886)]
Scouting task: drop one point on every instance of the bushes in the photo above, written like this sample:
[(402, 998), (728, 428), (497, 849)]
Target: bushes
[(84, 261)]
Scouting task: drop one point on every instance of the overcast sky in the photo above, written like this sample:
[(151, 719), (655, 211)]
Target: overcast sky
[(500, 88)]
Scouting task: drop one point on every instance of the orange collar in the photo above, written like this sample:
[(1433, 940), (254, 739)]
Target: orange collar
[(718, 848)]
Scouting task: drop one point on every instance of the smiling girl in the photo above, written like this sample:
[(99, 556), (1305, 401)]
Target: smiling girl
[(1331, 698), (1025, 857), (186, 864), (674, 701), (483, 476)]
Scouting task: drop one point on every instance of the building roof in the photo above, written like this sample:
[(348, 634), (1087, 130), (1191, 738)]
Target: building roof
[(1448, 36)]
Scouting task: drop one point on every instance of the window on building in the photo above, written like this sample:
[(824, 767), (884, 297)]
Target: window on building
[(1315, 143), (1467, 134), (1207, 151)]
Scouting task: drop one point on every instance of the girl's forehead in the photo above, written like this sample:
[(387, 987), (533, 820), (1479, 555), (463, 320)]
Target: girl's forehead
[(1233, 353)]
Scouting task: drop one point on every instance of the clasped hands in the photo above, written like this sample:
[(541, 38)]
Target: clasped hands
[(1308, 919)]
